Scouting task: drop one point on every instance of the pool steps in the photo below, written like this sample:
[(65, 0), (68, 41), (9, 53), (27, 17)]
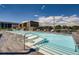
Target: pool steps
[(33, 42)]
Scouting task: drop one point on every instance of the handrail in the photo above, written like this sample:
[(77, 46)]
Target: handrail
[(24, 40)]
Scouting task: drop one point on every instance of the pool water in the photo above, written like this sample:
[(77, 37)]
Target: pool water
[(65, 42), (60, 40)]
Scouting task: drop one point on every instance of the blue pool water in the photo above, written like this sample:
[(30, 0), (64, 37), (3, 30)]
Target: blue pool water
[(65, 41), (60, 40)]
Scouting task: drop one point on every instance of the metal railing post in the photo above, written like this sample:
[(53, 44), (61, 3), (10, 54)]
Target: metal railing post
[(76, 47), (24, 40)]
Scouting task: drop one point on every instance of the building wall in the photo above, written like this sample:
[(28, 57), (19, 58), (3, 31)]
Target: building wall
[(34, 24), (29, 25), (7, 25), (24, 26)]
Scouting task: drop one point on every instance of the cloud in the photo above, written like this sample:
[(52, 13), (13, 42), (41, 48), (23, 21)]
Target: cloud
[(46, 21), (43, 7), (59, 20), (36, 15)]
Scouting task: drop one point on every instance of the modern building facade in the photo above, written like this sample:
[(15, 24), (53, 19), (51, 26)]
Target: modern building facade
[(7, 25), (28, 25)]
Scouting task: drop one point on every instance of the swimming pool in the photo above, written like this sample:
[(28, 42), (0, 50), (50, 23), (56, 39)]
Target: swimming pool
[(56, 42)]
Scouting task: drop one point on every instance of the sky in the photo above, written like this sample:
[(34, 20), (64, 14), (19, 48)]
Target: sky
[(23, 12)]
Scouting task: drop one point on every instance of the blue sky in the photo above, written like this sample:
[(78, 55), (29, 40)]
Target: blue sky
[(21, 12)]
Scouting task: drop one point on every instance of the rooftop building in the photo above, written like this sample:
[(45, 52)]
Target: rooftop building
[(28, 25)]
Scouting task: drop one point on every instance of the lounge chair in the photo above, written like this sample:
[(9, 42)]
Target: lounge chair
[(52, 30)]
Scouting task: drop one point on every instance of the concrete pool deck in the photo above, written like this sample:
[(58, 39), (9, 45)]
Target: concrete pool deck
[(13, 43)]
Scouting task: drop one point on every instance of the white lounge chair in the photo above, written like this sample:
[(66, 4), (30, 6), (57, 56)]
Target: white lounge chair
[(52, 30)]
